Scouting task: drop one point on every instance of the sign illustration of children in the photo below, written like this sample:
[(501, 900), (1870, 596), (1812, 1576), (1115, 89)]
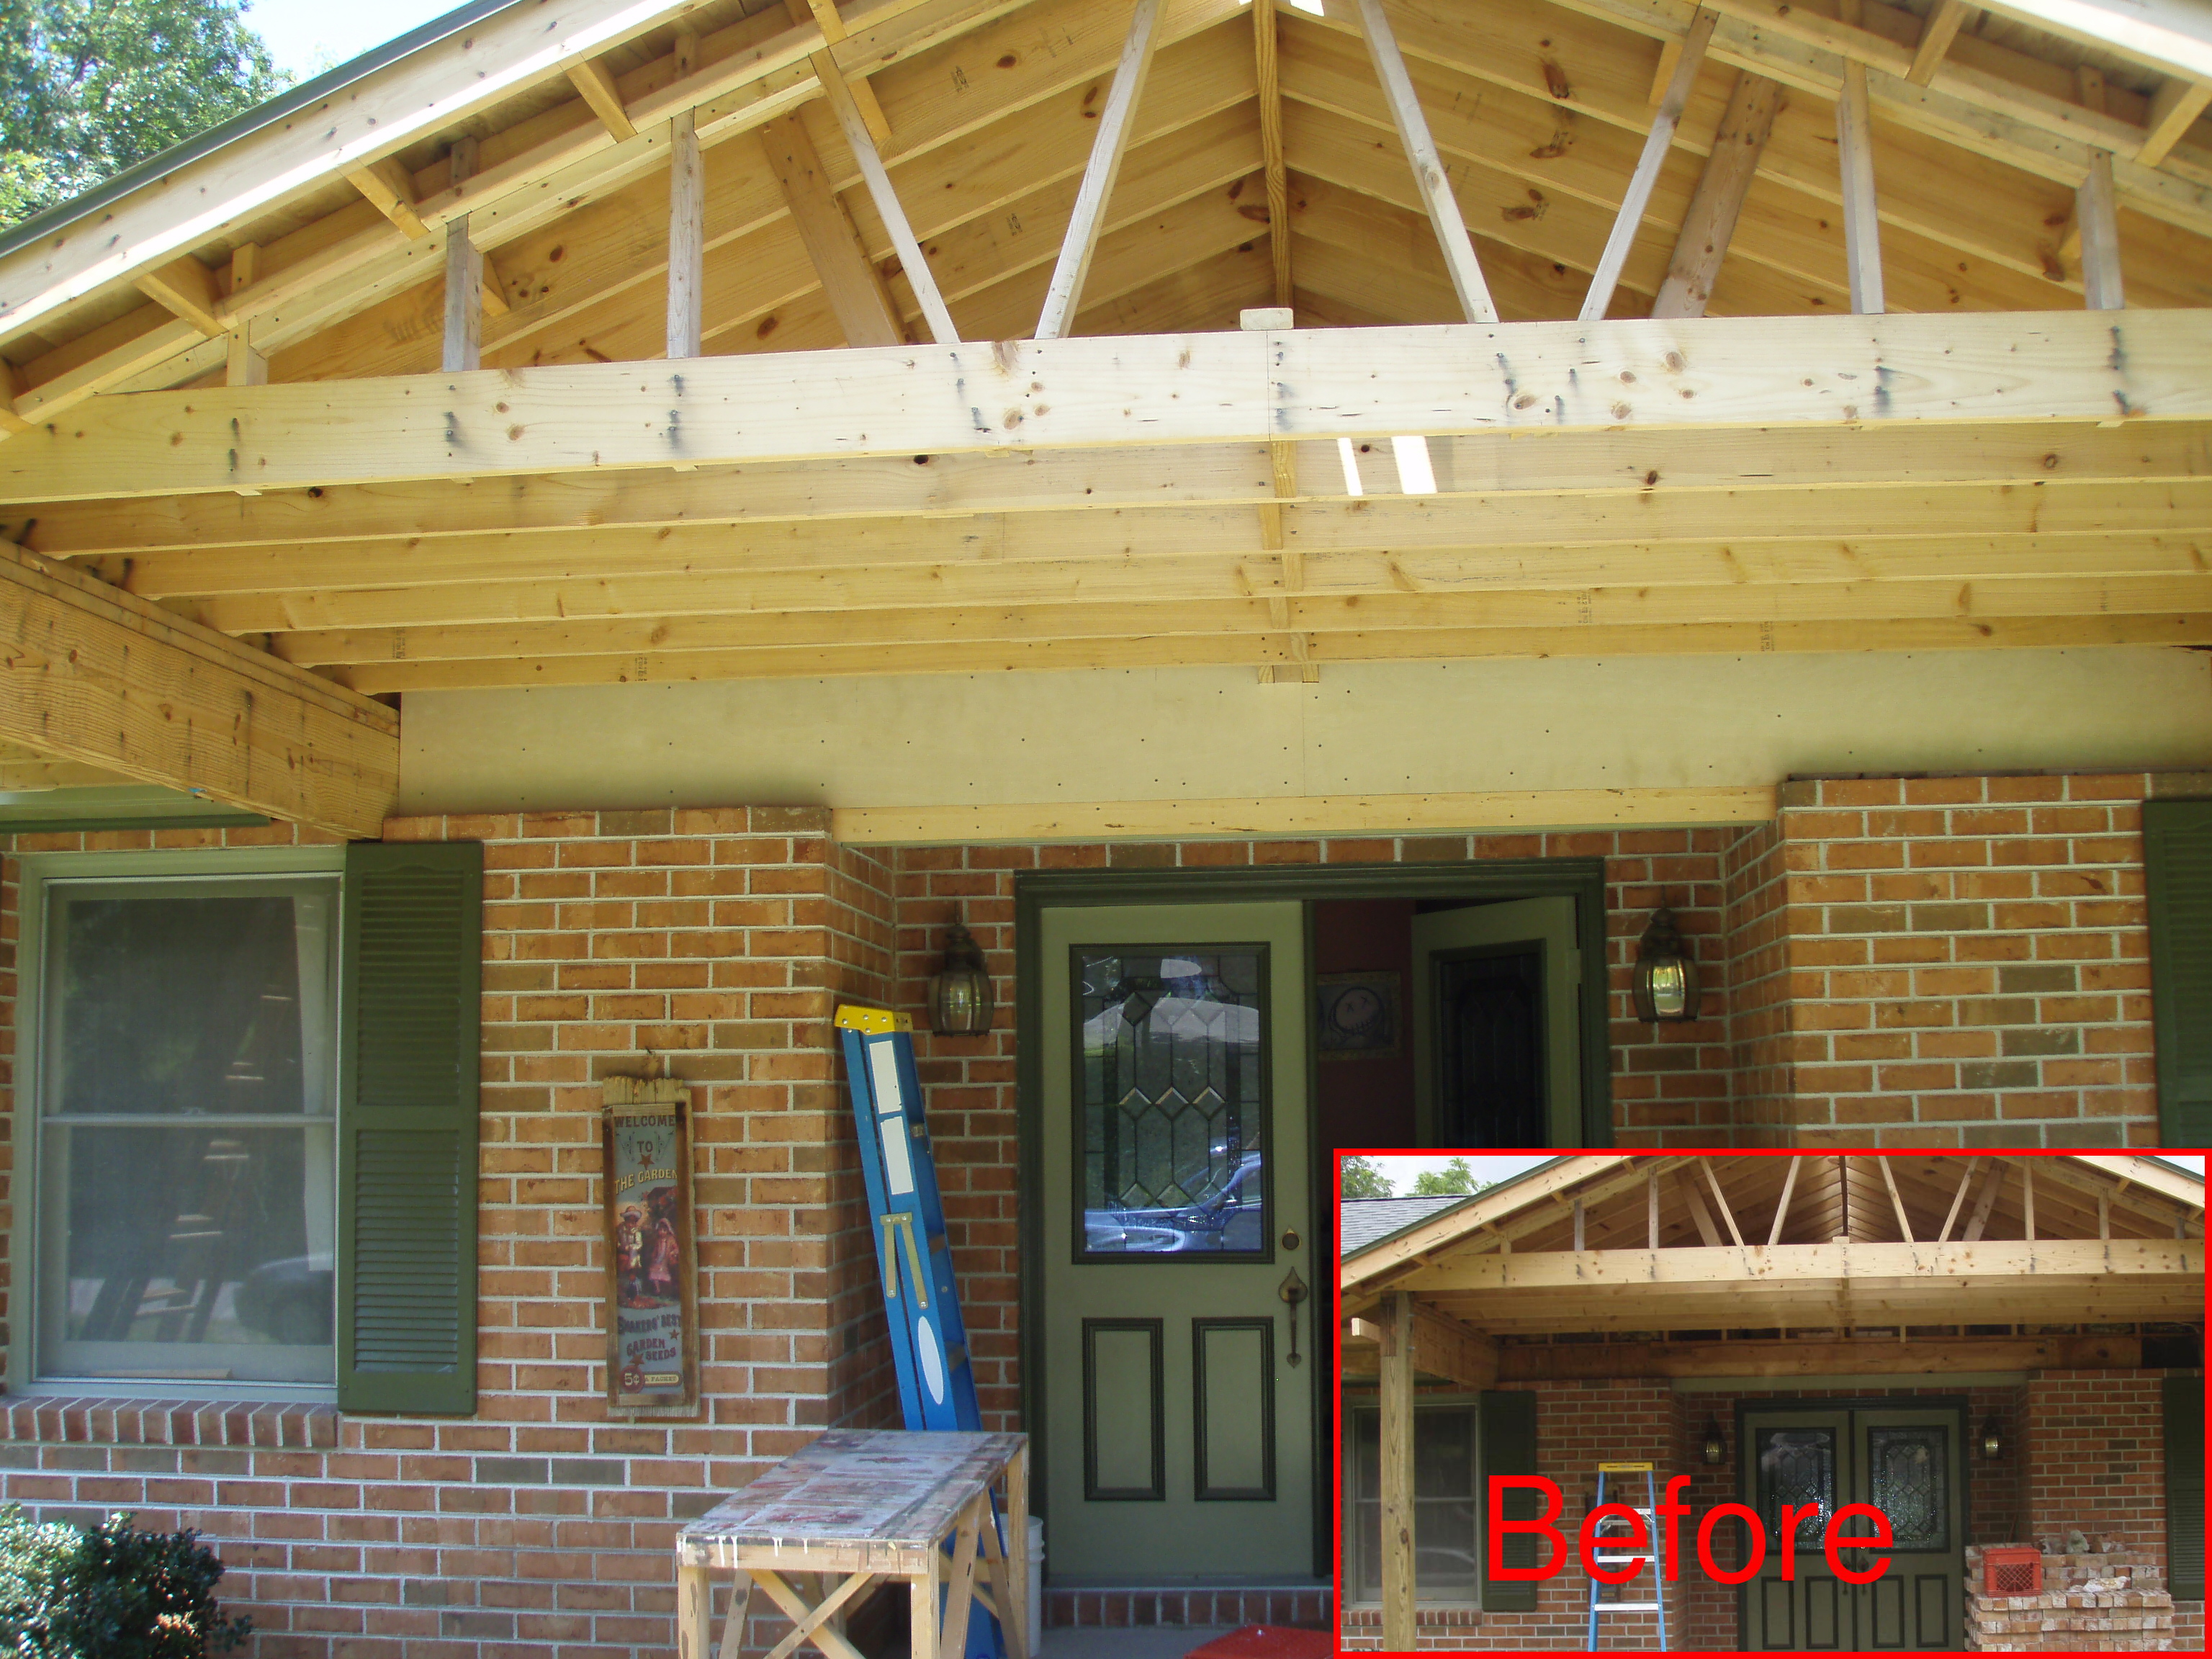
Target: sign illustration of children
[(629, 1257), (660, 1248)]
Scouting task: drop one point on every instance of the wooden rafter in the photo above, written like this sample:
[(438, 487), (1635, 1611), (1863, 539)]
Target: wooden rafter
[(102, 678), (827, 69), (190, 289), (1689, 57), (1430, 177), (1937, 30), (1703, 243), (1115, 122), (597, 86), (2174, 108), (850, 280), (911, 255)]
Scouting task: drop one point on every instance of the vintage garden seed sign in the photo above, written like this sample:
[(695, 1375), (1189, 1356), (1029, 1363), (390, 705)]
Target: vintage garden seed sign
[(652, 1323)]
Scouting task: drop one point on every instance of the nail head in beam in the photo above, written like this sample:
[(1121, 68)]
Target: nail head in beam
[(2094, 213), (1429, 176), (1936, 34), (1690, 56), (893, 214), (687, 235), (1064, 292)]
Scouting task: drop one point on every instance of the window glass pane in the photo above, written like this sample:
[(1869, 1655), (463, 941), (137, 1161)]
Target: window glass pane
[(1905, 1472), (1446, 1564), (1797, 1466), (1172, 1110), (163, 1000), (188, 1202)]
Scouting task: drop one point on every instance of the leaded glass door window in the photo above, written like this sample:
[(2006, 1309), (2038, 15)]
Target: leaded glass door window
[(1176, 1439), (1817, 1459), (1172, 1101)]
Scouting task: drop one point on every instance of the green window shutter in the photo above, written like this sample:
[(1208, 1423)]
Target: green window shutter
[(1509, 1447), (2184, 1486), (2177, 859), (408, 1014)]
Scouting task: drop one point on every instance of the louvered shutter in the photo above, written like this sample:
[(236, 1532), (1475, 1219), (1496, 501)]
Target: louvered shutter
[(2184, 1486), (408, 1011), (1509, 1447), (2178, 856)]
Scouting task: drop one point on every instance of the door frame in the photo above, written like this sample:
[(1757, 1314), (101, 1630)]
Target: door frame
[(1035, 891), (1958, 1404)]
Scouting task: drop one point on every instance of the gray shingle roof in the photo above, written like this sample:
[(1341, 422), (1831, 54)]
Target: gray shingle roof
[(1364, 1221)]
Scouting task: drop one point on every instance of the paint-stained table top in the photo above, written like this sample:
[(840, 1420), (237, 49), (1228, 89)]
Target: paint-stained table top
[(872, 1493)]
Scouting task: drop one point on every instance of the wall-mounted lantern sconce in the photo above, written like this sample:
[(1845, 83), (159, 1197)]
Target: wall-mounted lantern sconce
[(1992, 1439), (1715, 1449), (960, 1001), (1666, 973)]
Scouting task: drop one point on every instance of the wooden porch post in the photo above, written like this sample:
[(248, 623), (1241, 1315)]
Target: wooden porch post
[(1397, 1436)]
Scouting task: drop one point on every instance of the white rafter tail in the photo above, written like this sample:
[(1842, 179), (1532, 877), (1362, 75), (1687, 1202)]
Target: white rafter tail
[(2097, 222), (1429, 177), (1855, 158), (1115, 122), (1703, 242), (1417, 473), (1661, 139), (893, 214), (465, 278)]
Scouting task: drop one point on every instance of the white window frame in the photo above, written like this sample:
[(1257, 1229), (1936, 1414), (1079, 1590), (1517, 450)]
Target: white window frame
[(1366, 1402), (38, 871)]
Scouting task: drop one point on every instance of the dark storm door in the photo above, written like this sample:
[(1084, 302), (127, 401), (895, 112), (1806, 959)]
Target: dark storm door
[(1904, 1460)]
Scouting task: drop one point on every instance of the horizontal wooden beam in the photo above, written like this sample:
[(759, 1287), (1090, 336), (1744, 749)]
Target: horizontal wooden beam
[(1532, 1362), (1364, 384), (95, 676), (1443, 1347), (1253, 649), (1300, 815), (1640, 1273)]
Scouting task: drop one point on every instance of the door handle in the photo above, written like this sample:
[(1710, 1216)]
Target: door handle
[(1292, 1289)]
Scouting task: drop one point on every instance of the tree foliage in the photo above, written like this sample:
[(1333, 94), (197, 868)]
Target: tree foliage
[(88, 88), (1363, 1180), (1455, 1177)]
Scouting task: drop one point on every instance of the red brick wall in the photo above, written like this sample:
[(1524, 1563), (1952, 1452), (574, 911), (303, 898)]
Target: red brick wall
[(1968, 963), (718, 940)]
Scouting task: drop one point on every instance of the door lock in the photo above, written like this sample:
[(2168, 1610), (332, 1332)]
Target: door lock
[(1290, 1238), (1292, 1289)]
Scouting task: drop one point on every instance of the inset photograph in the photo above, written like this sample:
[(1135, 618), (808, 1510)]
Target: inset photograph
[(1776, 1401)]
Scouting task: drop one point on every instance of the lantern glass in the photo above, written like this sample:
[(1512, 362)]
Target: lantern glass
[(1992, 1440), (1666, 983), (1715, 1448), (960, 998)]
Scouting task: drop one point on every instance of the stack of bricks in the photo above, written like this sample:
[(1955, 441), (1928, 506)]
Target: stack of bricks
[(2068, 1616)]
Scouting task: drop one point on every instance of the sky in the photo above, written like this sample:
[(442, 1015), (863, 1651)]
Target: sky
[(309, 36), (1401, 1171)]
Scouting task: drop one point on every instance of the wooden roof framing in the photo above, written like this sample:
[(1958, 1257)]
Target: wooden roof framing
[(577, 511)]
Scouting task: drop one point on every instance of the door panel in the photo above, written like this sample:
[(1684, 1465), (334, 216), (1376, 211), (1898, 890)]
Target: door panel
[(1175, 1148), (1905, 1462), (1468, 978)]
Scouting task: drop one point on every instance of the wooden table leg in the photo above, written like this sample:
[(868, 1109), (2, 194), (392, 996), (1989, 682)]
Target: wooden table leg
[(695, 1609), (960, 1586), (921, 1617), (1017, 1554), (733, 1622)]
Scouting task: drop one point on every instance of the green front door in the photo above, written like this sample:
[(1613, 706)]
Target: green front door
[(1178, 1425), (1904, 1460)]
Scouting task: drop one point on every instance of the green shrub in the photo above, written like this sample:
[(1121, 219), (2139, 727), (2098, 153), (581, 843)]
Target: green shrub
[(108, 1592)]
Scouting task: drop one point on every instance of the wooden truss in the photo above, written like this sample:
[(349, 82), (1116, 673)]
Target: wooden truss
[(636, 350)]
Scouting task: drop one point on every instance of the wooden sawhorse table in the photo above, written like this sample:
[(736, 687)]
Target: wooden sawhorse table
[(856, 1507)]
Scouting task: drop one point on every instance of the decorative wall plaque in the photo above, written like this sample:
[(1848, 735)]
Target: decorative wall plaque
[(652, 1316)]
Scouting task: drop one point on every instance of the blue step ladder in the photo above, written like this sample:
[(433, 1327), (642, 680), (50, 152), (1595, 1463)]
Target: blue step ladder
[(1624, 1554), (929, 1341)]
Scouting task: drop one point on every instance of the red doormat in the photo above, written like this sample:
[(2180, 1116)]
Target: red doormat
[(1268, 1641)]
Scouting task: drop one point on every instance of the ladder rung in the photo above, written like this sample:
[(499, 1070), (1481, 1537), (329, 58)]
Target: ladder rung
[(1628, 1607), (1621, 1560)]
